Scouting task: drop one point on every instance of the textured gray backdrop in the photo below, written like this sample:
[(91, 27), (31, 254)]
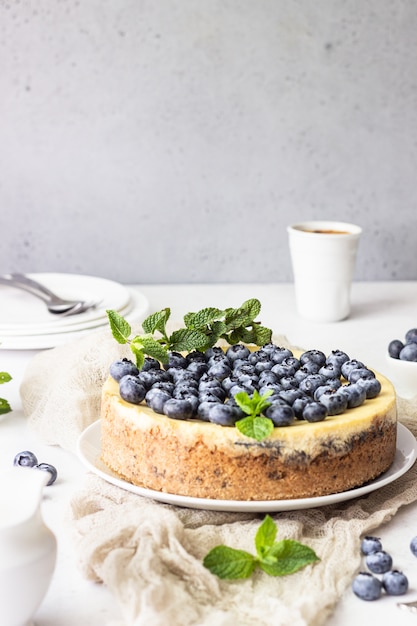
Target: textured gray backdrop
[(173, 140)]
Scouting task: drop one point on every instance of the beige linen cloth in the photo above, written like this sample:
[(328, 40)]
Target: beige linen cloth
[(150, 554)]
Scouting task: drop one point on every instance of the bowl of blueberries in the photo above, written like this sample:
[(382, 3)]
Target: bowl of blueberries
[(402, 364)]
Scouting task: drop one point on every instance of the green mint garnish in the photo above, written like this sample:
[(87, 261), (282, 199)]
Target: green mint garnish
[(276, 558), (4, 405), (254, 425), (202, 330)]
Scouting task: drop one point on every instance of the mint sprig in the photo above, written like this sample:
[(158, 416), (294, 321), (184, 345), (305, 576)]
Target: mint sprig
[(202, 330), (254, 425), (275, 558), (4, 404)]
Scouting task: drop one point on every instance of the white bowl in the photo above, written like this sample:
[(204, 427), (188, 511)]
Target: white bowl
[(403, 375)]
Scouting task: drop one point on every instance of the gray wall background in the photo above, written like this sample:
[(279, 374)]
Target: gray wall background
[(173, 140)]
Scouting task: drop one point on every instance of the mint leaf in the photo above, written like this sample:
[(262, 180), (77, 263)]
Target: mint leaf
[(186, 339), (157, 322), (153, 348), (228, 563), (255, 427), (261, 335), (202, 318), (275, 558), (5, 377), (287, 557), (4, 407), (119, 327), (265, 536)]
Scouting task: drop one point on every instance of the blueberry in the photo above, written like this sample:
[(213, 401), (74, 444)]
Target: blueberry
[(299, 405), (167, 386), (280, 414), (395, 583), (367, 587), (229, 382), (237, 351), (184, 391), (274, 387), (155, 399), (394, 348), (223, 414), (330, 370), (47, 467), (411, 335), (355, 394), (197, 368), (150, 364), (314, 412), (290, 395), (337, 358), (379, 562), (370, 544), (288, 382), (360, 372), (220, 370), (208, 396), (372, 387), (311, 382), (263, 363), (316, 356), (176, 359), (267, 376), (350, 365), (287, 367), (238, 388), (25, 459), (279, 354), (195, 355), (409, 352), (122, 367), (132, 389), (178, 409), (413, 546), (244, 368), (308, 368), (151, 376), (335, 403)]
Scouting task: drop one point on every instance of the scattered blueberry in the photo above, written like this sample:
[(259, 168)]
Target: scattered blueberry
[(47, 467), (370, 544), (413, 546), (25, 459), (395, 583), (379, 562), (367, 587)]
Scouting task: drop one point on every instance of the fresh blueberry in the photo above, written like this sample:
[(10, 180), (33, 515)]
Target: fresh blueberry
[(316, 356), (223, 414), (155, 399), (220, 370), (360, 372), (238, 388), (395, 583), (288, 382), (411, 335), (244, 368), (394, 348), (274, 387), (279, 354), (350, 365), (150, 364), (355, 394), (299, 404), (25, 459), (267, 377), (379, 562), (182, 391), (229, 382), (51, 469), (209, 395), (132, 389), (409, 352), (330, 370), (176, 359), (263, 363), (195, 355), (372, 387), (314, 412), (197, 368), (167, 386), (213, 351), (122, 367), (367, 587), (151, 376), (337, 358), (290, 395), (237, 351), (178, 409), (280, 414), (311, 382), (287, 367), (335, 403), (413, 546), (370, 544), (178, 373)]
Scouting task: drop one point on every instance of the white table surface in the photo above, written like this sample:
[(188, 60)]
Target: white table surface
[(380, 312)]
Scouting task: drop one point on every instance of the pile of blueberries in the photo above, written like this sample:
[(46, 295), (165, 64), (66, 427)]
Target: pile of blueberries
[(366, 585), (203, 385), (26, 458), (404, 350)]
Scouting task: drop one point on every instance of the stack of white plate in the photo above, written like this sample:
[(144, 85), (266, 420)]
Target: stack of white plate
[(26, 324)]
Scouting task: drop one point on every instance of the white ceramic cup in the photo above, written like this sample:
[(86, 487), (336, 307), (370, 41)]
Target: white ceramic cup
[(323, 255)]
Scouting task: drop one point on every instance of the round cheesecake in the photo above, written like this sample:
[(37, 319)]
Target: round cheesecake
[(200, 459)]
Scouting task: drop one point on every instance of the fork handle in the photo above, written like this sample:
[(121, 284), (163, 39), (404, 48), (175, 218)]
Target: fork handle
[(31, 288), (22, 279)]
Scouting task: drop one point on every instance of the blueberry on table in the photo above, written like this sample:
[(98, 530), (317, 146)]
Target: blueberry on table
[(366, 586), (123, 367), (25, 459), (379, 562), (395, 583), (370, 544), (394, 348), (47, 467), (413, 546)]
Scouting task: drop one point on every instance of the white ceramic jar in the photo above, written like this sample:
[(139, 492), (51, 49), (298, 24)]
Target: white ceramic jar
[(27, 546)]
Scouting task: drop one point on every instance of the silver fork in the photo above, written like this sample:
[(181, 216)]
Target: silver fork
[(54, 303)]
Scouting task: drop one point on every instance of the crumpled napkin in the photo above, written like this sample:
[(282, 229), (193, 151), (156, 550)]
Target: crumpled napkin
[(150, 554)]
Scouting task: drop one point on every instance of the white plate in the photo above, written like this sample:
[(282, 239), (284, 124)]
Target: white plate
[(21, 312), (135, 313), (89, 450)]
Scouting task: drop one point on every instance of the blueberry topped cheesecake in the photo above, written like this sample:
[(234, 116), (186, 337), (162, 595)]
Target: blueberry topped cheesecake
[(217, 410)]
